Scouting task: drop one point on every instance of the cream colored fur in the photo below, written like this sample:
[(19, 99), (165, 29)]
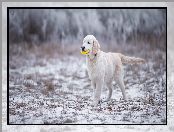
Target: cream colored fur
[(103, 68)]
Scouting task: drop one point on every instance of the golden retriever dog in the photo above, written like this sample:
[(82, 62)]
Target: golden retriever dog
[(103, 67)]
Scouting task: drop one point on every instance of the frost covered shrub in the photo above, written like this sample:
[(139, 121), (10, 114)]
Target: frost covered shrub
[(69, 26)]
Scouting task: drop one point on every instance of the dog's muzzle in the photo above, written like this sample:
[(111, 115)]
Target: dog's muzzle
[(83, 51)]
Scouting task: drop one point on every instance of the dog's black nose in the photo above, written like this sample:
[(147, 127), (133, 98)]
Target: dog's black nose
[(83, 48)]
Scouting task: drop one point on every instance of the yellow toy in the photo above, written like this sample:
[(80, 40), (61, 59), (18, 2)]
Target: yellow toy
[(84, 52)]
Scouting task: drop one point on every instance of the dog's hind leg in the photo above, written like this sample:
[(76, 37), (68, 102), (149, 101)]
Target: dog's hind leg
[(119, 80), (109, 86), (122, 87)]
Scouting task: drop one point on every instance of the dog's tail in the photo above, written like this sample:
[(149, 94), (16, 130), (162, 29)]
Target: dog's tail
[(131, 60)]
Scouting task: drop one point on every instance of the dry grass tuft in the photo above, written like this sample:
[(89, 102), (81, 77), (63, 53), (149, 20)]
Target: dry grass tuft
[(49, 85)]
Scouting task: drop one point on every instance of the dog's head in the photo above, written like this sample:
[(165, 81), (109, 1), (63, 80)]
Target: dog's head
[(90, 45)]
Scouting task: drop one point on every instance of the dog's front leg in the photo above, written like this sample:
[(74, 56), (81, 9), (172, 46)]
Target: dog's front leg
[(97, 93)]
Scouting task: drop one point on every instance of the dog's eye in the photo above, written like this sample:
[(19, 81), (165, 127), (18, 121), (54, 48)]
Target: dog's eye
[(88, 42)]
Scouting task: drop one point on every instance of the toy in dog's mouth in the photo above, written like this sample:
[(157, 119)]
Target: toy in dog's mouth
[(84, 52)]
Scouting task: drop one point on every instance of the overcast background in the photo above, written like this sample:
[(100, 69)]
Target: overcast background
[(70, 26)]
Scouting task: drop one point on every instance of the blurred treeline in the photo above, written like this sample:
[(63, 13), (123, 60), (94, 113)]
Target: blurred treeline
[(69, 26)]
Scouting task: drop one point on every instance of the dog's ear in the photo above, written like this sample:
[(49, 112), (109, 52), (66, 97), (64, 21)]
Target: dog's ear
[(96, 46)]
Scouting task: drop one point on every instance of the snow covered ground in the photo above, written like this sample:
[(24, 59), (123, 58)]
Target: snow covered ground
[(56, 90)]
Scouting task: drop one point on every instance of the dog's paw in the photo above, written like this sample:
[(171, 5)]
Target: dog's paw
[(123, 99), (95, 103), (107, 99)]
